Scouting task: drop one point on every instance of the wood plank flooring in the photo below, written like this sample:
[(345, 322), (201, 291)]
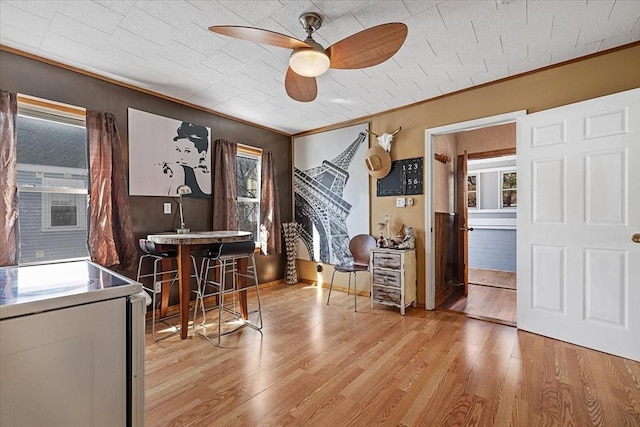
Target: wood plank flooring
[(324, 365), (495, 278), (485, 302)]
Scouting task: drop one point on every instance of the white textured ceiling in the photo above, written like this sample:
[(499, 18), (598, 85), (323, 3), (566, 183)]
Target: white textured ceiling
[(165, 47)]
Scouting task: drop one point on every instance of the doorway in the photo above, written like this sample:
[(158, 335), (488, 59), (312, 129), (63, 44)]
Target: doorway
[(447, 272), (578, 221), (481, 214), (487, 188)]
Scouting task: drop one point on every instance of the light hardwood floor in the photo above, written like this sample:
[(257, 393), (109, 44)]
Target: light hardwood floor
[(324, 365), (495, 278), (485, 302)]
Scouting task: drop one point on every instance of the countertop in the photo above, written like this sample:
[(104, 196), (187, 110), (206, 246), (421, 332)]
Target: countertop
[(199, 237), (37, 288)]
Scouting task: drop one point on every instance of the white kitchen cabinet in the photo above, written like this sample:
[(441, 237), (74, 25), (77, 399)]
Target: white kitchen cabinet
[(71, 346), (393, 277)]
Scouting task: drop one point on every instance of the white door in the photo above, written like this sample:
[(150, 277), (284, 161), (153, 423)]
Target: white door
[(579, 208)]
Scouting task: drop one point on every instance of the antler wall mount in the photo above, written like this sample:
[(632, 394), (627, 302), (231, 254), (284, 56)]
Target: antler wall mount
[(309, 59), (385, 139)]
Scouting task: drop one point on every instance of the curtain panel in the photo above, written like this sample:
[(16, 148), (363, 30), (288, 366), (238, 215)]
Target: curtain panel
[(270, 204), (111, 241), (225, 201), (9, 232)]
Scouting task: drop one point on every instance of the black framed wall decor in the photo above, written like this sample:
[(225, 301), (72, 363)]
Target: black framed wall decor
[(404, 179)]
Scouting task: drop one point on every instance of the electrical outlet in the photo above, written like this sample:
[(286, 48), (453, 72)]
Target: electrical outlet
[(167, 208), (400, 202)]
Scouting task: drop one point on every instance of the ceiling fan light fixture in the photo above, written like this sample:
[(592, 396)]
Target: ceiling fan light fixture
[(309, 62), (309, 59)]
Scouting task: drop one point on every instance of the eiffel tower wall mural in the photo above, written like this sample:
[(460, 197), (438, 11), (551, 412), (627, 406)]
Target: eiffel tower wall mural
[(331, 187)]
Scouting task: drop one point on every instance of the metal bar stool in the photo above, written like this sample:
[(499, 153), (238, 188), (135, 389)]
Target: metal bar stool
[(222, 260), (151, 252), (209, 286)]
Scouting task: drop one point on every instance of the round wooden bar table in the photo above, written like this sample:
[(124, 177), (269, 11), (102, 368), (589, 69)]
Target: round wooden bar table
[(185, 243)]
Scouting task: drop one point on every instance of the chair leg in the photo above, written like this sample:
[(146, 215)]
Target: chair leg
[(331, 286), (201, 283), (153, 301), (231, 266), (140, 267), (195, 271), (221, 297), (157, 291), (204, 282), (258, 326), (355, 290)]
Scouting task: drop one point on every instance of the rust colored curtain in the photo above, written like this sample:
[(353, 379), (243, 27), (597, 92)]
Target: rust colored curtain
[(9, 233), (111, 241), (270, 204), (225, 201)]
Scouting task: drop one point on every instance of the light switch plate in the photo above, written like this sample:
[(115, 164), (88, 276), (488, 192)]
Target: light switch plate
[(400, 202), (167, 208)]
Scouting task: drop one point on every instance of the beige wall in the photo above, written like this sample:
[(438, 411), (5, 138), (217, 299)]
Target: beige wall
[(593, 77), (487, 139), (444, 174)]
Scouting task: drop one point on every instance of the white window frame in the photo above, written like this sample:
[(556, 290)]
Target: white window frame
[(501, 189), (477, 190), (52, 186), (253, 153)]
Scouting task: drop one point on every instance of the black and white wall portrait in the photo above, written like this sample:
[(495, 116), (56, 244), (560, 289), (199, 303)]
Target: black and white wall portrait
[(165, 153)]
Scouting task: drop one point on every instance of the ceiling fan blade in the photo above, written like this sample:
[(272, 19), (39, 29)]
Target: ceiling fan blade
[(258, 35), (369, 47), (303, 89)]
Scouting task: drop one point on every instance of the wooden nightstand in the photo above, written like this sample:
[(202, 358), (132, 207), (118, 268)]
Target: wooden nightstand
[(393, 277)]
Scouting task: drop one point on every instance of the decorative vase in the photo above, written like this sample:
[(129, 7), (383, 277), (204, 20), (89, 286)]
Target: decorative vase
[(291, 234)]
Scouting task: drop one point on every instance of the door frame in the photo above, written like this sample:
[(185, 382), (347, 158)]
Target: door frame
[(430, 134), (461, 224)]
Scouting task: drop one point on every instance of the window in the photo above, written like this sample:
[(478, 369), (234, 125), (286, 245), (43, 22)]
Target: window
[(472, 191), (64, 207), (509, 192), (492, 185), (248, 190), (52, 181)]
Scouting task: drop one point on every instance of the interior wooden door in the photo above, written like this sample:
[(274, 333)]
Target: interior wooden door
[(462, 211), (579, 223)]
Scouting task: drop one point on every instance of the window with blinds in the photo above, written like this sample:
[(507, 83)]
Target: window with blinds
[(52, 181)]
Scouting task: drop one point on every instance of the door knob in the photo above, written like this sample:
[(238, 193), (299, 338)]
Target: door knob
[(636, 238), (466, 228)]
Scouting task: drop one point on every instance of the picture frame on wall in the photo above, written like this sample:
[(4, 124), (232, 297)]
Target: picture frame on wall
[(165, 153)]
